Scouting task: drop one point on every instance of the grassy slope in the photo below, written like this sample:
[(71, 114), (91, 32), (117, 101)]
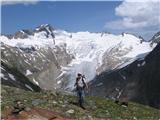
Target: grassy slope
[(97, 108)]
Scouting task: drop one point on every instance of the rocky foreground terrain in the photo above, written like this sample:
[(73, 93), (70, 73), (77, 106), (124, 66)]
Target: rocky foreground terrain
[(62, 106)]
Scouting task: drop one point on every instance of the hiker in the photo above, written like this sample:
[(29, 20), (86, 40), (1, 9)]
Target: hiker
[(80, 87)]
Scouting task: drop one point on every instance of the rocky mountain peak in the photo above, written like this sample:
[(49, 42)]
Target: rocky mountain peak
[(156, 38), (25, 33), (47, 28)]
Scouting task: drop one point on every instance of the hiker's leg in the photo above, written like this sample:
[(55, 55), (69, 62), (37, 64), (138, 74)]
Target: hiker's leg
[(80, 98)]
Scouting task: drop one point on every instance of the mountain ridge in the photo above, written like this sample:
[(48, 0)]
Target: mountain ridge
[(66, 54)]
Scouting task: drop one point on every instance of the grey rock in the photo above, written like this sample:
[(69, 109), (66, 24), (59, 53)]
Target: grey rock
[(37, 102)]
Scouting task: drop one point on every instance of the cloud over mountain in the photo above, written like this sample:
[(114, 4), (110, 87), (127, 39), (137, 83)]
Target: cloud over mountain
[(142, 17)]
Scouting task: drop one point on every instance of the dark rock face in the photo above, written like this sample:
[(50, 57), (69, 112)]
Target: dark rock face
[(155, 38), (149, 83), (139, 81), (12, 77), (47, 28)]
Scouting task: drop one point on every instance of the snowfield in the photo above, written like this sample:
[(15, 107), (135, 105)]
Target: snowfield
[(88, 50)]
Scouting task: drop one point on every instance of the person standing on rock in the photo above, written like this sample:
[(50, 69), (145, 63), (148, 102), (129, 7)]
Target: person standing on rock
[(80, 87)]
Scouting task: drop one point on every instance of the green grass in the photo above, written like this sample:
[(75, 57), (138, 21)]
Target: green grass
[(96, 108)]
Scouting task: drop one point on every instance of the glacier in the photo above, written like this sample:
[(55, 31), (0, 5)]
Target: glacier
[(91, 51)]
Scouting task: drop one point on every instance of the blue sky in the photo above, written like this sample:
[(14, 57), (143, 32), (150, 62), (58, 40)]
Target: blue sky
[(111, 16), (71, 16)]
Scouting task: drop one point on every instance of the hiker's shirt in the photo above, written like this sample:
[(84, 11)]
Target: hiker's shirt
[(80, 82)]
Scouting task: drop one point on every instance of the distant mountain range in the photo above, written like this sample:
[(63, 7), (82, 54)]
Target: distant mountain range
[(49, 58)]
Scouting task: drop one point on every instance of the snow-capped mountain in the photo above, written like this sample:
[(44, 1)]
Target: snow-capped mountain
[(51, 58)]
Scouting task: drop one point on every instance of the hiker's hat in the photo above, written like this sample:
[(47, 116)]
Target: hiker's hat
[(79, 74)]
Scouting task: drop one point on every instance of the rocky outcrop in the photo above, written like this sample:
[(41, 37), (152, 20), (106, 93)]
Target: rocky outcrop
[(155, 38)]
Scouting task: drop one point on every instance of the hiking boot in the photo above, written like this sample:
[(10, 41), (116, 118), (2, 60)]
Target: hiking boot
[(83, 107)]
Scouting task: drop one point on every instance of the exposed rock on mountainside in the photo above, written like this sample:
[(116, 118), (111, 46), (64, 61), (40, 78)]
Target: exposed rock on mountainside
[(155, 39), (13, 77), (40, 65)]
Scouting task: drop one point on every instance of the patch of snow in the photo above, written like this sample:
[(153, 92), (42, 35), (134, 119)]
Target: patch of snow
[(29, 87), (61, 75), (42, 55), (34, 59), (27, 62), (2, 68), (99, 84), (22, 31), (2, 76), (143, 63), (156, 37), (117, 89), (2, 48), (11, 76), (138, 65), (119, 94), (35, 81), (58, 82), (28, 72)]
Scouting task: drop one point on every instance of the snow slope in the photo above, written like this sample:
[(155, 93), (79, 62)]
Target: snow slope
[(90, 50)]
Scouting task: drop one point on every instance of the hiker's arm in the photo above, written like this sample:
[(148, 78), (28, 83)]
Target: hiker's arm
[(86, 85), (84, 81), (75, 83)]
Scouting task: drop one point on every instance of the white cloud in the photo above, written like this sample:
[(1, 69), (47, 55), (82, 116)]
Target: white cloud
[(13, 2), (137, 16)]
